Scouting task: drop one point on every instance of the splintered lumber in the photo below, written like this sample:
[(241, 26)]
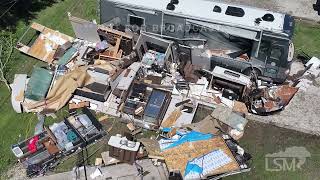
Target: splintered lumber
[(79, 105), (169, 122)]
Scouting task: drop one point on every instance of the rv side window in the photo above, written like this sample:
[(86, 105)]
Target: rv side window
[(169, 27), (135, 20), (217, 9), (235, 11)]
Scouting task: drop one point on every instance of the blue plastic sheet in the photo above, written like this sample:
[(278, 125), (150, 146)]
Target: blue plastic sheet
[(193, 167), (204, 165), (166, 130), (190, 137)]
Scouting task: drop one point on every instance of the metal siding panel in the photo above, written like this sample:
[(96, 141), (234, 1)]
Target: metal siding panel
[(85, 30)]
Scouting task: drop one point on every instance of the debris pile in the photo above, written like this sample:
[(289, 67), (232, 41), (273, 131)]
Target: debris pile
[(149, 82), (302, 111), (43, 151)]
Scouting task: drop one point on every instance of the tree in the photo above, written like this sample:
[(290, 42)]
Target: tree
[(6, 50)]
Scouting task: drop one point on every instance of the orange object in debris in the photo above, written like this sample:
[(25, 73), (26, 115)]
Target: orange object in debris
[(286, 93), (79, 105)]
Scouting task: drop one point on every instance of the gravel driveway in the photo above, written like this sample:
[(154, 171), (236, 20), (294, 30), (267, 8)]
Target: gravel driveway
[(299, 8)]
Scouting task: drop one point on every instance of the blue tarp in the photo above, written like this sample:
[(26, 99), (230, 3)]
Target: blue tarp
[(190, 137), (193, 167), (166, 130), (204, 165)]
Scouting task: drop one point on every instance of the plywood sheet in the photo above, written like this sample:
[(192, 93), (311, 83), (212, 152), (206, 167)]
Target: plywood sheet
[(177, 158), (46, 43), (170, 121)]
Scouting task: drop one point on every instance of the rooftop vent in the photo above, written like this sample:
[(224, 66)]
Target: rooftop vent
[(174, 2), (268, 17), (235, 11), (217, 9), (170, 7)]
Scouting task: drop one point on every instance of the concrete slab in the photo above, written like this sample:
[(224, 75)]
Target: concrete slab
[(302, 114), (120, 171)]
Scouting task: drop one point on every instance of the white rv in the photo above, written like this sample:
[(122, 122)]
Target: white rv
[(263, 36)]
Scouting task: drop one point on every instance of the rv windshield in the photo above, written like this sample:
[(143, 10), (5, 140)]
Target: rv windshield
[(273, 51)]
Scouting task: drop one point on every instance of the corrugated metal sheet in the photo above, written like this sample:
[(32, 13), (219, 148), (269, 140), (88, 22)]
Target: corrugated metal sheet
[(85, 29)]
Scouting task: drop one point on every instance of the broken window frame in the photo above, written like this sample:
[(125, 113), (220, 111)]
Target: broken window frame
[(268, 59), (162, 107), (134, 24)]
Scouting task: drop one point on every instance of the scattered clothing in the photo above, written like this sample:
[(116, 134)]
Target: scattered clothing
[(32, 145)]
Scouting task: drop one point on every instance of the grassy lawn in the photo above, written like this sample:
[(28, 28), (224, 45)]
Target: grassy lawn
[(13, 127), (259, 139), (307, 38)]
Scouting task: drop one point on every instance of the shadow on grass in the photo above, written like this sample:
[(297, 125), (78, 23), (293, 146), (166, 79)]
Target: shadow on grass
[(21, 10)]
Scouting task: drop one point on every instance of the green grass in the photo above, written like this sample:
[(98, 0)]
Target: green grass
[(307, 38), (94, 151), (13, 126), (259, 139)]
